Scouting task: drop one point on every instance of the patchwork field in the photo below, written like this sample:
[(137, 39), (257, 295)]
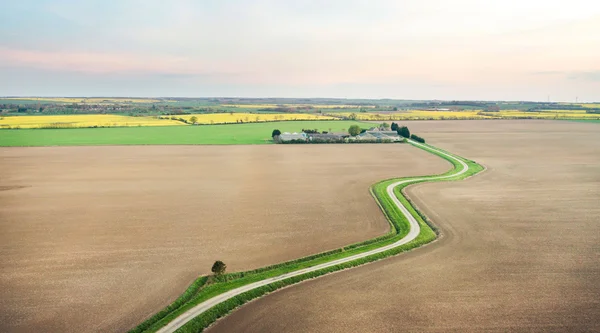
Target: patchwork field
[(82, 121), (94, 100), (244, 117), (258, 133), (298, 105), (519, 252), (467, 114), (412, 115), (104, 120), (95, 239)]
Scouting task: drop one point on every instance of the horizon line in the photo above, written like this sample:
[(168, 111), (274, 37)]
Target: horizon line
[(335, 98)]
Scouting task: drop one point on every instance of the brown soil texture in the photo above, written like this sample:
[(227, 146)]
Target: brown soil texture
[(96, 239), (519, 251)]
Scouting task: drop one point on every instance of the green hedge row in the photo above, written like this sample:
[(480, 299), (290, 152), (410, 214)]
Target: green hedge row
[(417, 138), (187, 295), (378, 191), (399, 228), (201, 322)]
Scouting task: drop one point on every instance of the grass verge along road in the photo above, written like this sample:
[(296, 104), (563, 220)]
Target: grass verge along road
[(203, 303)]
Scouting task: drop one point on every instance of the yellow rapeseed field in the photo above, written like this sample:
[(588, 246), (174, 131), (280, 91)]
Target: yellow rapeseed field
[(315, 106), (547, 114), (413, 115), (78, 121), (229, 118), (467, 114)]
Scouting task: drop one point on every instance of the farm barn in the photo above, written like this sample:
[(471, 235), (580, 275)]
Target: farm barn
[(379, 135), (329, 137), (292, 136)]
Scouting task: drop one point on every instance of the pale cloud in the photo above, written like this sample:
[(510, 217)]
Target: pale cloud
[(446, 48), (95, 63)]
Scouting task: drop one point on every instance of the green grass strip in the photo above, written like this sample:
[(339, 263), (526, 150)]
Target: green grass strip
[(205, 288)]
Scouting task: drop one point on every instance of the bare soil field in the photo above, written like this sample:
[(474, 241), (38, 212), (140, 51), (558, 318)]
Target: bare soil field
[(519, 251), (96, 239)]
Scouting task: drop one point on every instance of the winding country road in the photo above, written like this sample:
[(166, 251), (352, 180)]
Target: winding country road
[(412, 234)]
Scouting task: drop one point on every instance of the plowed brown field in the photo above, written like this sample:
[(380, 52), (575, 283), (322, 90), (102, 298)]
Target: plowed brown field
[(520, 251), (95, 239)]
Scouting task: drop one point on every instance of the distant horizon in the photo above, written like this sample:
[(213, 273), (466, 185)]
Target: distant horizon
[(283, 97)]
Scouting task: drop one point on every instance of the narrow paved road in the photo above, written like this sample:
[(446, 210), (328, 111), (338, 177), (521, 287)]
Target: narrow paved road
[(412, 234)]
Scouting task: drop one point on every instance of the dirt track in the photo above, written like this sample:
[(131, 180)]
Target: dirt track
[(97, 238), (520, 251)]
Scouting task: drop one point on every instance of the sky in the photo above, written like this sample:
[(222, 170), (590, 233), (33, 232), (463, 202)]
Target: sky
[(424, 49)]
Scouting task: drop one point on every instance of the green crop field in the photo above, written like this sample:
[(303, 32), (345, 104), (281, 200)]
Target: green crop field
[(255, 133)]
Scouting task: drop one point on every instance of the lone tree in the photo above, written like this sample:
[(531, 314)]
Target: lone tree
[(193, 119), (403, 131), (354, 130), (218, 267), (275, 133), (394, 127)]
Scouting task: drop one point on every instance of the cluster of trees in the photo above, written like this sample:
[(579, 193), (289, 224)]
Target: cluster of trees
[(555, 106), (402, 130), (111, 108), (417, 138), (281, 109), (449, 104), (19, 108), (405, 132), (385, 126), (190, 121), (354, 130)]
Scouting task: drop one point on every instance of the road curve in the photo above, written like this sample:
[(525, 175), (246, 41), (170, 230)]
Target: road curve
[(414, 231)]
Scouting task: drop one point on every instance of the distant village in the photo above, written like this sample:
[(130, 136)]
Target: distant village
[(380, 134)]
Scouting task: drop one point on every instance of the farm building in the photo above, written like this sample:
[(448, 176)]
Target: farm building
[(292, 136), (330, 137), (379, 135), (391, 134)]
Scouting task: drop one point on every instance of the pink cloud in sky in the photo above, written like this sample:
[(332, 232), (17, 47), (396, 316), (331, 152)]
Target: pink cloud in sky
[(460, 45), (472, 59), (98, 63)]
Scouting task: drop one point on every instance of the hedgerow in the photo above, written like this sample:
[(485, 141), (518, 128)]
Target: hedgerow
[(190, 292), (399, 227), (417, 138)]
